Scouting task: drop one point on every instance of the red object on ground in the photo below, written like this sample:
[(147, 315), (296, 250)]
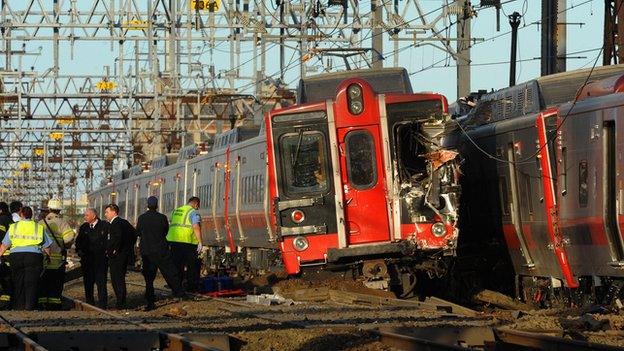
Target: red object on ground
[(226, 293)]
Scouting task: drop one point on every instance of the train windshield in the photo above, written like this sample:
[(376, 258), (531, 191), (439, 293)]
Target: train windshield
[(304, 162)]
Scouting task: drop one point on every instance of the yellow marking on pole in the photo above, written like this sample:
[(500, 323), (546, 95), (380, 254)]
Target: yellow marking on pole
[(38, 151), (135, 24), (106, 85), (56, 135), (65, 120), (206, 5)]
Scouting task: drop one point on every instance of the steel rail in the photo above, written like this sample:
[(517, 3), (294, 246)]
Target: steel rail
[(409, 343), (508, 339), (18, 338), (176, 342)]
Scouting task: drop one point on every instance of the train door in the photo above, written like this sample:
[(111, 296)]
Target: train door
[(514, 202), (613, 226), (304, 185), (362, 179), (547, 130)]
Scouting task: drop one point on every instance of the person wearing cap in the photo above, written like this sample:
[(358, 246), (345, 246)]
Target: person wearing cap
[(28, 241), (184, 237), (152, 228), (5, 270), (63, 236)]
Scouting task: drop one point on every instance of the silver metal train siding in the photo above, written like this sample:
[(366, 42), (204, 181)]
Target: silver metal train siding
[(553, 196), (176, 177)]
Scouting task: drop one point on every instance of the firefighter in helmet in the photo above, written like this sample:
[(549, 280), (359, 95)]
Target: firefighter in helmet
[(51, 288)]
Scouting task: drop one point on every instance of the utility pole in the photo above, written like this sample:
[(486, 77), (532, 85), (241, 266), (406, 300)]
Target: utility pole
[(561, 36), (463, 49), (514, 21), (549, 37), (613, 32), (377, 59)]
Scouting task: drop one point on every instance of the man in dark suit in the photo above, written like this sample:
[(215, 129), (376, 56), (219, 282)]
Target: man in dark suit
[(119, 245), (152, 227), (91, 247)]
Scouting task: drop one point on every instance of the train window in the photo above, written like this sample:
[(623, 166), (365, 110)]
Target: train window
[(304, 162), (295, 117), (538, 163), (361, 165), (583, 195), (411, 165), (504, 195)]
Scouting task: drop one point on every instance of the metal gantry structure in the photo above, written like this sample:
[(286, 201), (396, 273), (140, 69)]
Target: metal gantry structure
[(178, 71)]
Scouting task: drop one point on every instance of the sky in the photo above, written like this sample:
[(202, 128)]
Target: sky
[(430, 68)]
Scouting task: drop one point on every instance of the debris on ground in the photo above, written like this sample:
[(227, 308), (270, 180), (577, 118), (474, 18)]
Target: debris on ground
[(270, 300)]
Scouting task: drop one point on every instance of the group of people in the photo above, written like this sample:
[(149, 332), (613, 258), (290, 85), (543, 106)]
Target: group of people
[(33, 254)]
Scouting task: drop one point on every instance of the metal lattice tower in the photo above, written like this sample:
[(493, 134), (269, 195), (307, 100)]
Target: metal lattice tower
[(178, 70)]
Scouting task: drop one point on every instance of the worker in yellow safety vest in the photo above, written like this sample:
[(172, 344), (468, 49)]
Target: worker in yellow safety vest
[(5, 271), (53, 277), (184, 237), (28, 241)]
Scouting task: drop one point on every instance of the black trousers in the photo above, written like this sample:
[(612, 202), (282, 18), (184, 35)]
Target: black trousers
[(185, 256), (94, 269), (118, 268), (26, 269), (162, 261), (6, 285), (51, 287)]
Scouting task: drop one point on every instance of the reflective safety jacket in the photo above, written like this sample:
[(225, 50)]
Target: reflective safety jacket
[(26, 233), (181, 229), (63, 236), (5, 222)]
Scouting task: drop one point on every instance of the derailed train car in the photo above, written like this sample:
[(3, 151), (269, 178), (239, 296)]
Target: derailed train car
[(543, 174), (358, 180), (352, 177)]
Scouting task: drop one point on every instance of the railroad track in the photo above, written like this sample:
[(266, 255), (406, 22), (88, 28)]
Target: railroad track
[(13, 338), (488, 339), (86, 327)]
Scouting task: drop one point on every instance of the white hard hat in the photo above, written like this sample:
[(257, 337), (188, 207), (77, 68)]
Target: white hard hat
[(55, 204)]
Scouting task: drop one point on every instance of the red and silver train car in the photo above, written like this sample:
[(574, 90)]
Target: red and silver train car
[(356, 179), (542, 172)]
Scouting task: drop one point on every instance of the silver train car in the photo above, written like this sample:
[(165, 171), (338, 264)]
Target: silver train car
[(232, 169), (543, 187)]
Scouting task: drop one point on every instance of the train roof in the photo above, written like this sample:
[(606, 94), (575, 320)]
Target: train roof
[(164, 161), (536, 95), (322, 87)]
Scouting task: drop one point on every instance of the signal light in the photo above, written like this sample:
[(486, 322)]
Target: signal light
[(354, 98), (297, 216)]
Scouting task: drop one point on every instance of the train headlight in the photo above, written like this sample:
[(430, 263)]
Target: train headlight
[(356, 107), (300, 243), (297, 216), (438, 229), (354, 98), (354, 91)]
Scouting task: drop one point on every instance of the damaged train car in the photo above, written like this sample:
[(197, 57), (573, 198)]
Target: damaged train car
[(358, 180), (542, 190), (352, 177)]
